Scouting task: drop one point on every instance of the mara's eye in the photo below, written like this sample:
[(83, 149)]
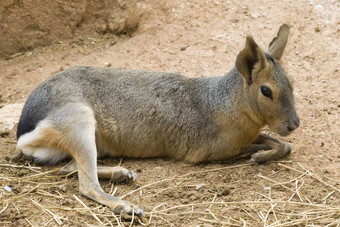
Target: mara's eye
[(267, 92)]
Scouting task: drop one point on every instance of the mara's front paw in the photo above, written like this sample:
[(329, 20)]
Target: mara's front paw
[(273, 154)]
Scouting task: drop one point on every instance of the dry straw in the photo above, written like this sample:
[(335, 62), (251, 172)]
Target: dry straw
[(295, 208)]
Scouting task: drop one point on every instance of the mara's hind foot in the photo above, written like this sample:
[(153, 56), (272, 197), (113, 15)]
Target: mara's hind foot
[(82, 148), (116, 174)]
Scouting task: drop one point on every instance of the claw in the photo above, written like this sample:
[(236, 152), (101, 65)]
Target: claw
[(140, 211), (289, 148), (16, 157), (134, 176), (118, 210)]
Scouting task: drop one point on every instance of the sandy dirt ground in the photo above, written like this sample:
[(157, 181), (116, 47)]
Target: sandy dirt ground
[(198, 39)]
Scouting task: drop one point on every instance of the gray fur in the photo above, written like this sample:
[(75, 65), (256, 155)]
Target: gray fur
[(156, 113)]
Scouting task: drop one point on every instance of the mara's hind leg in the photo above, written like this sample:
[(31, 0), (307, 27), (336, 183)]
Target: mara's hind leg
[(78, 127), (266, 148), (117, 174)]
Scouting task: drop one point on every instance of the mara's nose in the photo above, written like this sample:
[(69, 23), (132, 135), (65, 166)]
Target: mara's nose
[(294, 124)]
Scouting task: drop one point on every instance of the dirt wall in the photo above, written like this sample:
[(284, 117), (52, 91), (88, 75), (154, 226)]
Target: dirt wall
[(25, 24)]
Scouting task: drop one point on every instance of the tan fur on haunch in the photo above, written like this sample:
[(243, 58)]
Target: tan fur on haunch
[(88, 112), (51, 138)]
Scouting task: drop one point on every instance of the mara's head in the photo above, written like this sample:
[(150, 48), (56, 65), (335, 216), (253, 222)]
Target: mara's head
[(269, 90)]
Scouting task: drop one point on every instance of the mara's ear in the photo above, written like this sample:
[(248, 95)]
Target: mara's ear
[(250, 58), (278, 44)]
